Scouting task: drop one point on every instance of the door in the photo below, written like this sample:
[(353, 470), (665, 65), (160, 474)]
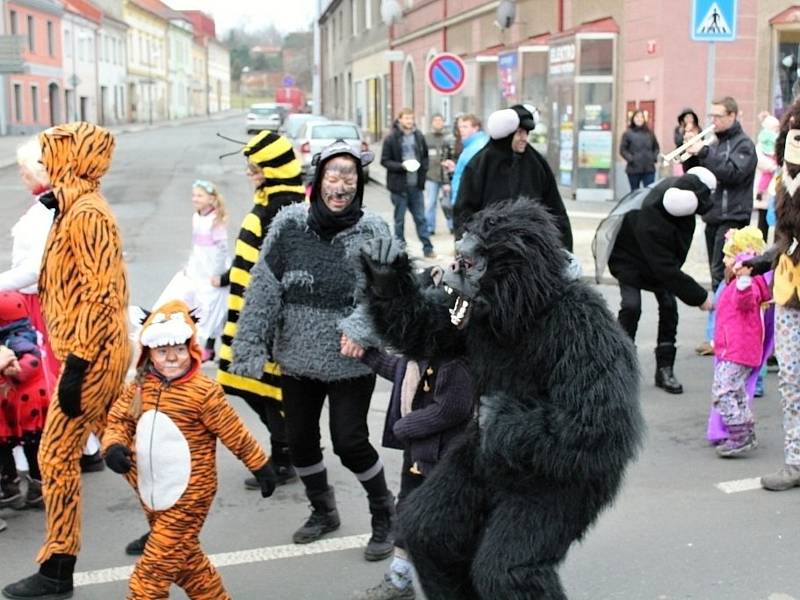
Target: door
[(53, 96)]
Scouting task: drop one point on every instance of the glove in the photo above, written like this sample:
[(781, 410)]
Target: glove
[(69, 386), (118, 458), (266, 479), (382, 258)]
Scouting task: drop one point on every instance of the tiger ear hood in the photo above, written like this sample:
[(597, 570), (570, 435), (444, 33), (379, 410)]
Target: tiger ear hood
[(172, 323), (76, 156)]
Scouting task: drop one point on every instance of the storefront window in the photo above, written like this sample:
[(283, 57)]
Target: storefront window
[(597, 57), (490, 89), (787, 70), (595, 138), (534, 92)]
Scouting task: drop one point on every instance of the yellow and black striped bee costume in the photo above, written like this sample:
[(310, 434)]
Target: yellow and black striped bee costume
[(283, 186)]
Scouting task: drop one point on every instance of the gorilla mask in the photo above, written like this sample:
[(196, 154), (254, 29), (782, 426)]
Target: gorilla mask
[(463, 278)]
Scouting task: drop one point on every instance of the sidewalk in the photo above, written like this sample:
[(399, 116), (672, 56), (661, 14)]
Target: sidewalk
[(9, 143), (584, 217)]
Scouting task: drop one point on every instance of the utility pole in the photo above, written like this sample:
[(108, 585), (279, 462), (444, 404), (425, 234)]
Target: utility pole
[(316, 86)]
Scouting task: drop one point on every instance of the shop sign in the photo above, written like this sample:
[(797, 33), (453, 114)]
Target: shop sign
[(593, 116), (594, 149), (562, 59), (565, 155), (507, 66)]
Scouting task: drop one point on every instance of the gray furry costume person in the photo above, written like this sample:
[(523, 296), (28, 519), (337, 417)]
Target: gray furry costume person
[(304, 294), (559, 416)]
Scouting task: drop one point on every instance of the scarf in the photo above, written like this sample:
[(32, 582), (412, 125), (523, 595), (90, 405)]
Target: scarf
[(326, 224)]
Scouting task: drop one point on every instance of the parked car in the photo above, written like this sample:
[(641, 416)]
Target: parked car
[(316, 134), (262, 116), (293, 124)]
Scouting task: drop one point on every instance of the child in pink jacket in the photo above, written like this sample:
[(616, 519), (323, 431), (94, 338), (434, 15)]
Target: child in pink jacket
[(738, 340)]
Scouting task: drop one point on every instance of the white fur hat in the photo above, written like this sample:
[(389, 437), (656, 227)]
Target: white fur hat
[(707, 177), (680, 203), (502, 123)]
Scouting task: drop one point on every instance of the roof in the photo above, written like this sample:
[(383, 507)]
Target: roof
[(202, 24), (85, 9), (158, 8)]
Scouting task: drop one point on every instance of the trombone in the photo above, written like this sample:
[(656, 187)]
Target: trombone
[(680, 153)]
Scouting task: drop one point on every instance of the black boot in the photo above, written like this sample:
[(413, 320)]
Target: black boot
[(381, 543), (665, 378), (324, 517), (52, 582)]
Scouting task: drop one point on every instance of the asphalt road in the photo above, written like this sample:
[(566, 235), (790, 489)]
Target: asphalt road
[(672, 534)]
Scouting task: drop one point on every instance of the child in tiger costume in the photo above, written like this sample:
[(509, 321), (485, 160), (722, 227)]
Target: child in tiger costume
[(83, 291), (162, 435)]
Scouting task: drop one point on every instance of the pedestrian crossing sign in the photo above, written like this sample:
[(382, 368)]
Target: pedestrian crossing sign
[(714, 20)]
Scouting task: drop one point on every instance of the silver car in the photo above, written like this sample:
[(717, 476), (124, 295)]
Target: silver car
[(316, 134), (264, 116), (293, 124)]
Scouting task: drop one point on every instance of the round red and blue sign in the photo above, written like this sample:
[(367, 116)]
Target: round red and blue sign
[(447, 73)]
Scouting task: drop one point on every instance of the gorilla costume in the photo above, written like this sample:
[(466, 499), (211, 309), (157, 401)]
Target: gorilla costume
[(558, 419)]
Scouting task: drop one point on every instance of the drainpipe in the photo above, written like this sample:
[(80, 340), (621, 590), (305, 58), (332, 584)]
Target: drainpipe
[(4, 83), (560, 16)]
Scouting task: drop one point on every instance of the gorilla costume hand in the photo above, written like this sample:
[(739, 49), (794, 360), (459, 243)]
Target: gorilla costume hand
[(384, 262)]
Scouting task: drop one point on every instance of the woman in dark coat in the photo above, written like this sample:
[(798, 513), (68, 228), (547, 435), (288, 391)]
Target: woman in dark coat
[(639, 148)]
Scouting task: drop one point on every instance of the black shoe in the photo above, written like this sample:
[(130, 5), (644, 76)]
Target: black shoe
[(381, 543), (324, 517), (136, 547), (285, 475), (39, 586), (11, 494), (92, 463), (665, 379), (52, 582)]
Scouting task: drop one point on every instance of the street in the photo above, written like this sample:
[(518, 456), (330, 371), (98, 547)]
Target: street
[(674, 532)]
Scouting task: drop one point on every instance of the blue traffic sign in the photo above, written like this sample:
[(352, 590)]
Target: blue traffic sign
[(447, 73), (288, 81), (714, 20)]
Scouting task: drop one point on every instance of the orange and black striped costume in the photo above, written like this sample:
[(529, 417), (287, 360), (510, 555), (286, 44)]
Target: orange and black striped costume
[(84, 295), (283, 186), (175, 424)]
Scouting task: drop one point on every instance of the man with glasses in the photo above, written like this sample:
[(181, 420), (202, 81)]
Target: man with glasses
[(732, 159)]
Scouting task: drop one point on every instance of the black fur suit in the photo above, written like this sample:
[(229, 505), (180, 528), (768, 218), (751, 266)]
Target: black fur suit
[(559, 416)]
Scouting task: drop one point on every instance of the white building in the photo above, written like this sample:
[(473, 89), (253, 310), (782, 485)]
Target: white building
[(147, 60), (112, 64), (179, 40), (80, 25), (219, 77)]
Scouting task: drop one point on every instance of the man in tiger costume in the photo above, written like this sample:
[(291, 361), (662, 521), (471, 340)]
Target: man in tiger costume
[(162, 435), (84, 295)]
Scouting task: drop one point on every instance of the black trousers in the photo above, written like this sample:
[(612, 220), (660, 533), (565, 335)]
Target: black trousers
[(715, 240), (270, 412), (408, 483), (348, 405), (631, 309)]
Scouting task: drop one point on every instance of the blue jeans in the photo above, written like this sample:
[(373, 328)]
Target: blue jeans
[(432, 189), (644, 178), (412, 200)]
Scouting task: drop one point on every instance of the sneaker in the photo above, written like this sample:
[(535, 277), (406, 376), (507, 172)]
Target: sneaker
[(136, 547), (386, 590), (759, 391), (733, 448), (92, 463), (704, 349), (772, 364), (784, 479), (33, 496), (11, 494)]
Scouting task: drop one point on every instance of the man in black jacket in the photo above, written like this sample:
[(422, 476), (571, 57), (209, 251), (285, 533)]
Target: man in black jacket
[(508, 167), (405, 158), (732, 159), (649, 253)]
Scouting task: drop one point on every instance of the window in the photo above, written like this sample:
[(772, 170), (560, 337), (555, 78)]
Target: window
[(50, 44), (334, 132), (35, 102), (68, 43), (367, 14), (14, 25), (18, 102), (31, 35)]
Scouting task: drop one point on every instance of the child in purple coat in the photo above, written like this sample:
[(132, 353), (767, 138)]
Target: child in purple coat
[(739, 340)]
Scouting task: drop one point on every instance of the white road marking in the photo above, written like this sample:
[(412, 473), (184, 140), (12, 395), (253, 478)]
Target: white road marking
[(739, 485), (226, 559)]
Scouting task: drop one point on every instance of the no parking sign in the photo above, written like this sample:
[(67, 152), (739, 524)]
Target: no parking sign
[(447, 73)]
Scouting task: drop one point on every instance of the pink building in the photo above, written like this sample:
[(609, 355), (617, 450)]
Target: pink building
[(34, 97), (587, 64)]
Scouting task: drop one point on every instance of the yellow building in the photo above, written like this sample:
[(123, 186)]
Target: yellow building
[(148, 23)]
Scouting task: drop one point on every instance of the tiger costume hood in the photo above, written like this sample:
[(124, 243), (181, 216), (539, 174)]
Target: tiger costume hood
[(172, 323), (76, 156)]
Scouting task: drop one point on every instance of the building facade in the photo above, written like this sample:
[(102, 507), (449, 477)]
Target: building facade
[(35, 98), (179, 40), (112, 64), (81, 23), (219, 76), (147, 61)]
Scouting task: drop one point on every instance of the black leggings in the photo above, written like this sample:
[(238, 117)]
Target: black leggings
[(631, 309), (270, 412), (348, 403)]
